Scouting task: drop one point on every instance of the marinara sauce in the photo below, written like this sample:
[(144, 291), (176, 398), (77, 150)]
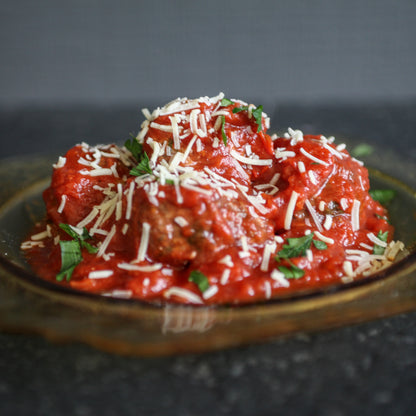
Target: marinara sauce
[(205, 207)]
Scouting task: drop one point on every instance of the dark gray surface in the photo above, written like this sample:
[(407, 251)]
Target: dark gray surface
[(368, 369), (111, 51)]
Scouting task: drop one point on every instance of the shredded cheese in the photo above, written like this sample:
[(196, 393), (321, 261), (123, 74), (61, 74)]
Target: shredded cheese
[(279, 277), (250, 161), (314, 215), (210, 292), (313, 158), (182, 293), (269, 248), (62, 204), (144, 242), (130, 200), (100, 274), (355, 215), (135, 267), (290, 210), (60, 164), (225, 276), (324, 238), (376, 240), (106, 242)]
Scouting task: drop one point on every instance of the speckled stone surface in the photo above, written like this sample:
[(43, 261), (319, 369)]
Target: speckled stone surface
[(368, 369)]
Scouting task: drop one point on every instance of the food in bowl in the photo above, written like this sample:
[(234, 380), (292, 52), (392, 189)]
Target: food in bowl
[(203, 206)]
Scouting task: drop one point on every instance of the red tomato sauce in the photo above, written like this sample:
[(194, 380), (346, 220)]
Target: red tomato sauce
[(210, 194)]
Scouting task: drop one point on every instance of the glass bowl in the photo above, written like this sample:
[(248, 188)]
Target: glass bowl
[(31, 305)]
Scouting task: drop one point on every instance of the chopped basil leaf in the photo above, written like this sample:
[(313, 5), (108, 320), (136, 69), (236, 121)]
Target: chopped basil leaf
[(67, 228), (91, 249), (224, 136), (225, 102), (319, 245), (199, 279), (257, 114), (71, 254), (384, 196), (70, 258), (238, 109), (143, 166), (296, 247), (361, 150), (71, 232), (292, 272), (140, 155), (383, 237), (135, 148), (80, 238)]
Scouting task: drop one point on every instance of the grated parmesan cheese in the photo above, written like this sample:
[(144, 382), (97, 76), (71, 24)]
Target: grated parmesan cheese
[(268, 250), (182, 293), (144, 242), (250, 161), (314, 215), (60, 164), (210, 292), (100, 274), (225, 276), (324, 238), (313, 158), (135, 267), (328, 222), (106, 242), (290, 210), (62, 204), (355, 215), (280, 278)]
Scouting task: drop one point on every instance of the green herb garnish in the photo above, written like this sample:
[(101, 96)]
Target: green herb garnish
[(295, 247), (135, 148), (224, 136), (238, 109), (199, 279), (361, 150), (257, 113), (319, 245), (384, 196), (70, 257), (80, 238), (143, 167), (292, 272), (225, 102), (71, 254), (383, 237)]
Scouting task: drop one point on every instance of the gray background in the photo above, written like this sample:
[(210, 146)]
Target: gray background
[(112, 52)]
